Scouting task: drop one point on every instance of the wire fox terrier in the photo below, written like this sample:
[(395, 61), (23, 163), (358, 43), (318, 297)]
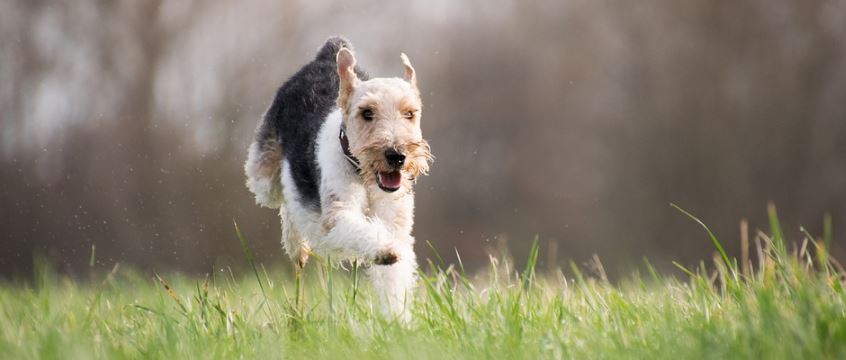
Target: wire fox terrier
[(338, 153)]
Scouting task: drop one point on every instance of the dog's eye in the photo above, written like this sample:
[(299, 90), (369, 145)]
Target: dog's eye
[(408, 115), (367, 114)]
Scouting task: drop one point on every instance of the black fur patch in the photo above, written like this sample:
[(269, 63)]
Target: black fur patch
[(300, 109)]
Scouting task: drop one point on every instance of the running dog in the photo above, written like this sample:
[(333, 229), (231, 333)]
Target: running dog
[(338, 153)]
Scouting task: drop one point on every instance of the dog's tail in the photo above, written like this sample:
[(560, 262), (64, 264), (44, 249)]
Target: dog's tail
[(330, 49), (329, 52)]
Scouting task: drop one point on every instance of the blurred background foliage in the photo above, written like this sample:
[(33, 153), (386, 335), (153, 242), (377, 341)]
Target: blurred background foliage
[(124, 124)]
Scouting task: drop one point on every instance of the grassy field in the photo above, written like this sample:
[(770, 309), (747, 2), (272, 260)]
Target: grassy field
[(789, 305)]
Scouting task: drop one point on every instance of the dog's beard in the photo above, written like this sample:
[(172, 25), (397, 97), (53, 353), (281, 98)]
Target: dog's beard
[(375, 169)]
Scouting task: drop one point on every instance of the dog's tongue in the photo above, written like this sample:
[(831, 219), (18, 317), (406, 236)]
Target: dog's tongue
[(390, 179)]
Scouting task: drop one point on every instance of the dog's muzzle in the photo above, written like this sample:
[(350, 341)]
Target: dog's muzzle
[(394, 158), (391, 181)]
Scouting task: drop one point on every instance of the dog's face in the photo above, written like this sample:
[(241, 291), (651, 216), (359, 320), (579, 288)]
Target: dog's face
[(382, 117)]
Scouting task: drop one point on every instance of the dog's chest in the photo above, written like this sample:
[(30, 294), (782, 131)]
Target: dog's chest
[(393, 209)]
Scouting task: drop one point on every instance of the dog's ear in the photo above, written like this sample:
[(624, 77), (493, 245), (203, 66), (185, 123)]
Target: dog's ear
[(409, 71), (348, 79)]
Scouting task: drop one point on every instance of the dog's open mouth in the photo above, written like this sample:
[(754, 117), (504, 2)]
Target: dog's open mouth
[(389, 181)]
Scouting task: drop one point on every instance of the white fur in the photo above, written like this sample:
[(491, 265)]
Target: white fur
[(266, 189), (365, 221), (394, 284), (298, 223)]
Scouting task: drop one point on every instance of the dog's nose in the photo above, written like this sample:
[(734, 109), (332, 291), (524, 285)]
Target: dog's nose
[(394, 158)]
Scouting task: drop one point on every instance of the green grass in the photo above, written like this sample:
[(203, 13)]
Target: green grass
[(789, 305)]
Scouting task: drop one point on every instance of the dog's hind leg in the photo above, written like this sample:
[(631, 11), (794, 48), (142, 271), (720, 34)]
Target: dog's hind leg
[(293, 242)]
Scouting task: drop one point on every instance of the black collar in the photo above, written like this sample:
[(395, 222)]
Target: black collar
[(345, 146)]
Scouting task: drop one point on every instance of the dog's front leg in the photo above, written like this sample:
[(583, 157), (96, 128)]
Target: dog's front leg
[(394, 284), (349, 231)]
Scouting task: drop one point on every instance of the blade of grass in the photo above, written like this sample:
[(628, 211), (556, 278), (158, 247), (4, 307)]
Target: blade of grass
[(710, 234), (682, 268), (329, 288), (92, 260), (437, 254), (354, 282), (827, 231), (248, 254), (529, 272), (250, 259), (776, 233)]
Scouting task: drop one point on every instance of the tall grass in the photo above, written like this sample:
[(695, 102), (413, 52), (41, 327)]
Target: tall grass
[(781, 302)]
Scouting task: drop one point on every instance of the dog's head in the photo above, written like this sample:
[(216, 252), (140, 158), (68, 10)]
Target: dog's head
[(382, 117)]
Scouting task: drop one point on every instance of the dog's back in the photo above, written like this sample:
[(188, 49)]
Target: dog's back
[(292, 123)]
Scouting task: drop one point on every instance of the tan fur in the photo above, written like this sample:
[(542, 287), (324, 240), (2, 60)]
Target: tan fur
[(271, 157), (263, 170), (390, 99), (294, 244), (327, 217), (348, 79), (408, 71)]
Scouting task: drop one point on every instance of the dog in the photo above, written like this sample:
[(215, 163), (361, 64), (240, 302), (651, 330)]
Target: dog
[(338, 153)]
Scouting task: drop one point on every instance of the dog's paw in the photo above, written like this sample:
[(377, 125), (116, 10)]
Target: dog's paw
[(386, 257), (302, 259)]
